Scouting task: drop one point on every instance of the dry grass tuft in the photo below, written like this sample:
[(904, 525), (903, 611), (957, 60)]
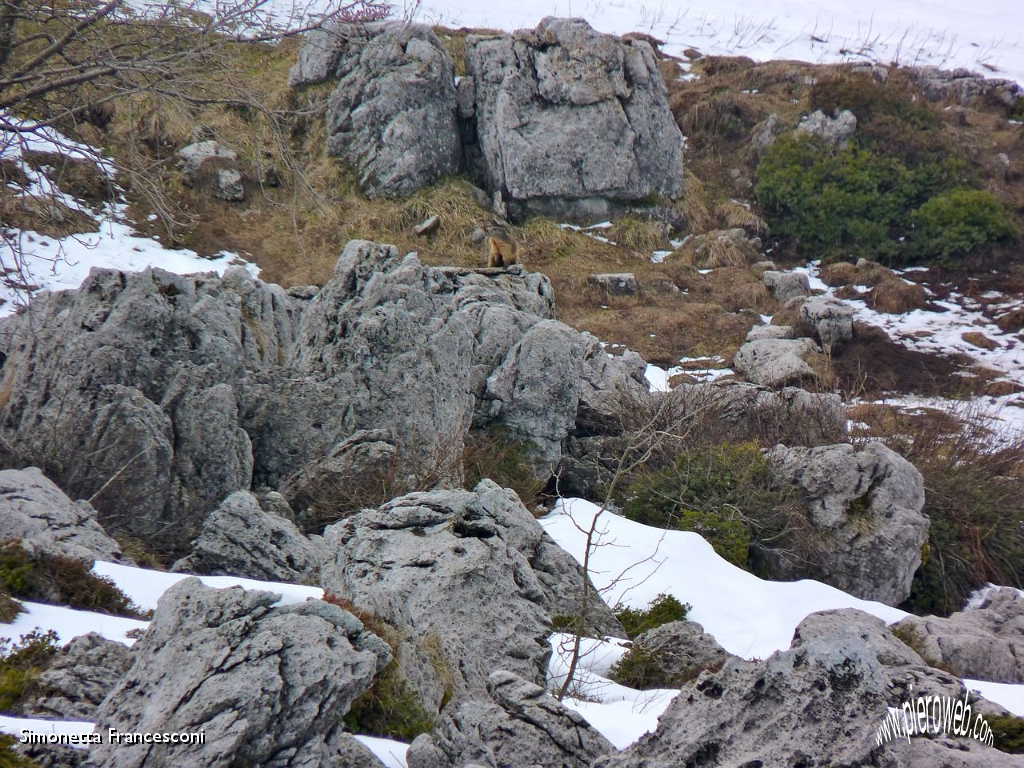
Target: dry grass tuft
[(719, 248), (639, 234), (840, 273), (698, 208), (896, 296), (737, 214)]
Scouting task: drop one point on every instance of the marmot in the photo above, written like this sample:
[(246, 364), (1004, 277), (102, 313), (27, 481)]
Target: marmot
[(504, 250)]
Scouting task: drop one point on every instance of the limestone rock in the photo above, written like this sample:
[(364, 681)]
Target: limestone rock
[(520, 725), (209, 165), (759, 332), (36, 512), (241, 539), (392, 114), (615, 283), (683, 649), (80, 678), (830, 320), (890, 651), (470, 579), (775, 362), (267, 685), (865, 501), (786, 285), (528, 88), (833, 130), (984, 641)]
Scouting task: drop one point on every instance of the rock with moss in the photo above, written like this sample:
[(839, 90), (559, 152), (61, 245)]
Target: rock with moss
[(680, 649), (518, 724), (240, 538), (265, 683), (865, 503), (38, 514), (468, 578), (528, 86), (392, 113)]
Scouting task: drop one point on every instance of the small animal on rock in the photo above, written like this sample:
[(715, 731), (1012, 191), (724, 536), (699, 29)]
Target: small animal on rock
[(504, 250)]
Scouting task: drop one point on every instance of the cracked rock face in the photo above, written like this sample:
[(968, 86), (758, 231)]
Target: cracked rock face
[(159, 395), (520, 725), (267, 685), (80, 678), (36, 512), (529, 87), (866, 502), (468, 577)]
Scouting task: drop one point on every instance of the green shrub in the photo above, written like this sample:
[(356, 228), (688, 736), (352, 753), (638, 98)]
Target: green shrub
[(60, 580), (954, 223), (21, 663), (858, 202), (721, 492), (661, 610), (871, 101), (1008, 733), (390, 709), (641, 668)]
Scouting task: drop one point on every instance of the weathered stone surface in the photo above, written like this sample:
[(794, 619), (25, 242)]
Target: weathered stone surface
[(470, 579), (965, 87), (616, 283), (36, 512), (865, 501), (786, 285), (775, 362), (211, 166), (80, 677), (759, 332), (520, 725), (267, 685), (683, 649), (241, 539), (159, 395), (530, 87), (984, 641), (830, 320), (833, 130), (192, 157), (888, 649), (392, 114), (751, 714)]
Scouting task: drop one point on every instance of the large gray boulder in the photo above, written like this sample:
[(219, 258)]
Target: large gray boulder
[(984, 641), (158, 395), (36, 512), (567, 120), (828, 319), (521, 724), (837, 130), (242, 539), (469, 579), (786, 285), (267, 685), (392, 113), (776, 363), (865, 504), (80, 678)]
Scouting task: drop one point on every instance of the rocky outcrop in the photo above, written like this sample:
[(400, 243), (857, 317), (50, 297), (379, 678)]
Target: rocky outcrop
[(818, 704), (832, 130), (527, 89), (828, 319), (80, 678), (469, 579), (520, 725), (242, 539), (984, 641), (392, 114), (158, 395), (267, 685), (36, 512), (965, 87), (210, 166), (776, 362), (865, 502), (615, 283)]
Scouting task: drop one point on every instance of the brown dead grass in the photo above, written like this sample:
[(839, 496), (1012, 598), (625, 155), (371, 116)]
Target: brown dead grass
[(895, 296)]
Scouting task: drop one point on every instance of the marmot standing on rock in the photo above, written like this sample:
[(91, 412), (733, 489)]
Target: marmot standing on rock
[(504, 250)]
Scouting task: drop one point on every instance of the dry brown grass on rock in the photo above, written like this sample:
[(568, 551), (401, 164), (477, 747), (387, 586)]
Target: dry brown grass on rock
[(719, 248), (840, 273), (896, 296)]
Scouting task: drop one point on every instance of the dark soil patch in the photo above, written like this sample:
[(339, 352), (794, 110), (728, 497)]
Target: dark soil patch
[(873, 365)]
